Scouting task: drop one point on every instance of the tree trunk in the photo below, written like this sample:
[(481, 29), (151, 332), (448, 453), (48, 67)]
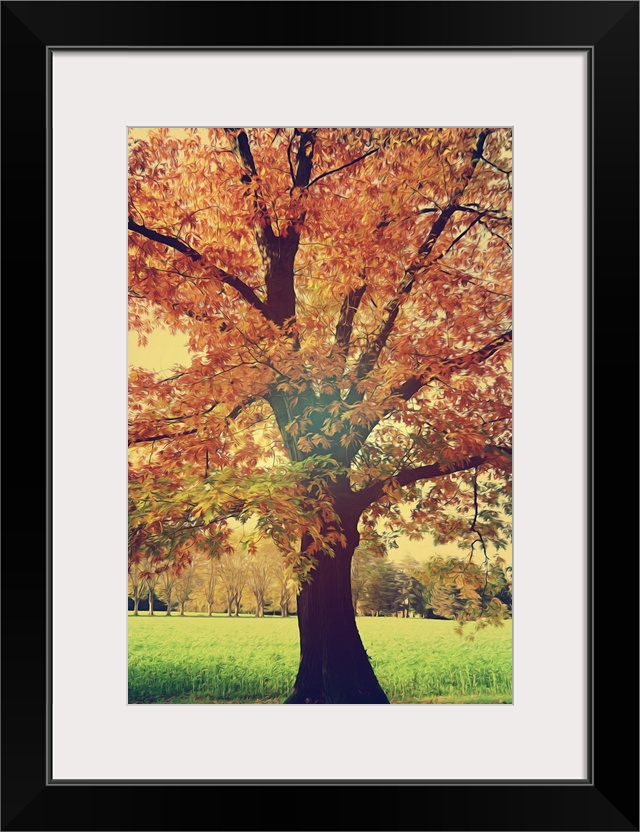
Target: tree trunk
[(237, 608), (150, 602), (136, 601), (168, 612), (334, 666), (182, 603), (209, 608)]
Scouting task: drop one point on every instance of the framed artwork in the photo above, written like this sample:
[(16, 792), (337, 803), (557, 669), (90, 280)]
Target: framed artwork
[(542, 97)]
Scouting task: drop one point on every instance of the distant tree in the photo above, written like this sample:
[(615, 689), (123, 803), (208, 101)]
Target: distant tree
[(259, 573), (169, 574), (384, 590), (150, 576), (285, 586), (137, 584), (416, 596), (210, 566), (186, 584), (233, 576)]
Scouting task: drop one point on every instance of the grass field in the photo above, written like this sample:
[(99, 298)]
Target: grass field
[(220, 659)]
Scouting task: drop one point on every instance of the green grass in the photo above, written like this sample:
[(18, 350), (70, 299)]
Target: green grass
[(220, 659)]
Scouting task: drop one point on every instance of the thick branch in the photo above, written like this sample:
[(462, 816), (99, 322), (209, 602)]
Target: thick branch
[(242, 151), (437, 469), (172, 242), (239, 142), (277, 252), (348, 311), (469, 170), (224, 277), (304, 159), (246, 291), (373, 492)]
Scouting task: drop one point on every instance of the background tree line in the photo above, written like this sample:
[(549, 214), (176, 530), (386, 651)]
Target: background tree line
[(246, 577), (458, 588), (250, 577)]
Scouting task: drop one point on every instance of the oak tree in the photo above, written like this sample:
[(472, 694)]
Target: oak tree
[(346, 298)]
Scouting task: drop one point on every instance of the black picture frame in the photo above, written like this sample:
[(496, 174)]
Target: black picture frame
[(608, 798)]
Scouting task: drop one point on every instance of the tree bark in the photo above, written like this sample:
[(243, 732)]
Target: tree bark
[(209, 608), (168, 612), (182, 603), (150, 602), (334, 666), (136, 601)]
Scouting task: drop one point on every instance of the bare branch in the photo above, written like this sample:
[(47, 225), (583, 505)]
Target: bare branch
[(237, 410), (342, 167), (419, 212), (463, 362), (224, 277), (172, 242), (495, 234), (459, 237), (160, 436), (185, 417), (493, 165)]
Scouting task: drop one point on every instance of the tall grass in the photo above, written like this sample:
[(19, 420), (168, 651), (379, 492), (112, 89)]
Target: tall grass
[(220, 659)]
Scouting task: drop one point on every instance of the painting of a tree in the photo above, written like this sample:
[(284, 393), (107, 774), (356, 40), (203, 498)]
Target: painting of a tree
[(345, 295)]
